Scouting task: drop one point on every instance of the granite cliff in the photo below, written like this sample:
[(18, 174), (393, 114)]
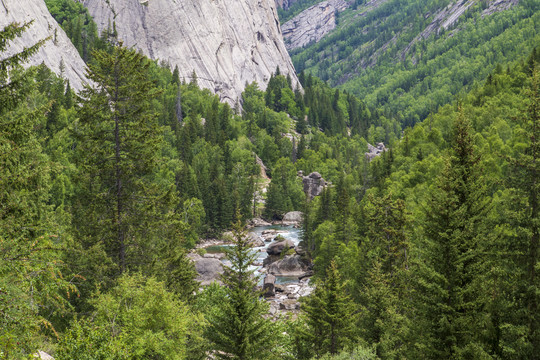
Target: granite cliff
[(58, 54), (312, 24), (228, 43)]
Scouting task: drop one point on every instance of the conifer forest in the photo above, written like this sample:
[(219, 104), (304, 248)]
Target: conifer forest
[(420, 240)]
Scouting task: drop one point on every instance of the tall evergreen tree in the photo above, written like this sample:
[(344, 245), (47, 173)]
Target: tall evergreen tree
[(119, 140), (455, 225), (524, 220), (237, 329), (331, 315), (31, 283)]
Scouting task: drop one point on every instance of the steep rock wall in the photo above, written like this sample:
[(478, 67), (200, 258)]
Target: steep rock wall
[(228, 43), (55, 51), (312, 24)]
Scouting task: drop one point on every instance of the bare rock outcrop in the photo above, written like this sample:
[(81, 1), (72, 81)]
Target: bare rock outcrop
[(313, 184), (228, 43), (374, 151), (312, 24), (58, 53), (269, 285), (292, 218), (499, 5), (448, 16)]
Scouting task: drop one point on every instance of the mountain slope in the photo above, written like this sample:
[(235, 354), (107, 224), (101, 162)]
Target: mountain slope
[(227, 43), (409, 57), (58, 53)]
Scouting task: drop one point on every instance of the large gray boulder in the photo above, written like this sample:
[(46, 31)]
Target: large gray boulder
[(292, 218), (290, 265), (276, 248), (255, 240), (208, 270)]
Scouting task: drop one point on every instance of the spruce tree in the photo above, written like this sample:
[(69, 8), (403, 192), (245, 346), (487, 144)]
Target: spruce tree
[(454, 228), (237, 329), (32, 287), (119, 203), (331, 315), (523, 245)]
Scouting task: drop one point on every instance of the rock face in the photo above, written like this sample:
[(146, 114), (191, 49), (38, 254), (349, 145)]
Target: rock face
[(374, 151), (499, 5), (226, 42), (312, 24), (313, 184), (56, 51)]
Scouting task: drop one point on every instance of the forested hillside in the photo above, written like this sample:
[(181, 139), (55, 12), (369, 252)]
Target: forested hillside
[(401, 57), (429, 251)]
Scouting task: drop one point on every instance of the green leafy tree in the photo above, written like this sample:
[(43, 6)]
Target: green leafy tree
[(137, 319), (522, 240), (284, 192), (237, 329)]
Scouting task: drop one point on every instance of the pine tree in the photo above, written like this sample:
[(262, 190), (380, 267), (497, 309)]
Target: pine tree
[(524, 219), (31, 283), (383, 284), (119, 139), (331, 315), (455, 225), (237, 330)]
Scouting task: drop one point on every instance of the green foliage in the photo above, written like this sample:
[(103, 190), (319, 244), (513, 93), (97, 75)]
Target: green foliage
[(119, 141), (32, 288), (236, 329), (358, 353), (79, 26), (284, 192), (136, 319), (382, 56), (330, 315)]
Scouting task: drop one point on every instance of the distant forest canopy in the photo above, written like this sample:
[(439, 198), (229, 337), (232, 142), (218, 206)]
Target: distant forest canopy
[(430, 250), (382, 58)]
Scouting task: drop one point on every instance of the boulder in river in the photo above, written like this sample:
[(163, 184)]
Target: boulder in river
[(292, 218), (276, 248), (257, 222), (290, 265), (255, 240)]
